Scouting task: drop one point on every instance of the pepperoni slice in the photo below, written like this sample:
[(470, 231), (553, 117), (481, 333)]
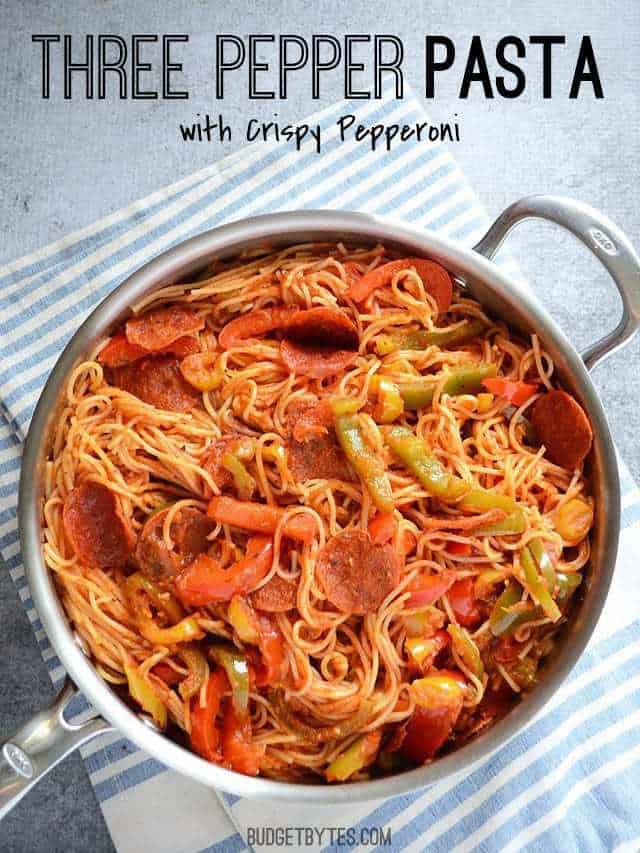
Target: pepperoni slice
[(355, 574), (319, 342), (277, 596), (98, 532), (317, 362), (436, 280), (189, 531), (158, 381), (309, 419), (563, 427), (248, 328), (318, 458), (323, 327), (158, 329), (119, 351)]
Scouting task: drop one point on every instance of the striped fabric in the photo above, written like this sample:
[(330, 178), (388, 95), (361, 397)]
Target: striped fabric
[(567, 781)]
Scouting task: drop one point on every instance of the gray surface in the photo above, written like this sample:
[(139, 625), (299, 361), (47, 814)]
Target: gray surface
[(64, 164)]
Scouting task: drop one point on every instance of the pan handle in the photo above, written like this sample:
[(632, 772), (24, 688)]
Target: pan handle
[(40, 744), (605, 240)]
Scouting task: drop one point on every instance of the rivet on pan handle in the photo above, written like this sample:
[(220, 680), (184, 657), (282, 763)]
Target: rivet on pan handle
[(41, 744), (605, 240)]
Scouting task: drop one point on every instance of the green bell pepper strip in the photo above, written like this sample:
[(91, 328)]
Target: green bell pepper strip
[(141, 592), (414, 452), (466, 648), (543, 561), (243, 481), (484, 500), (524, 672), (504, 621), (417, 339), (536, 585), (236, 668), (367, 465), (418, 393), (566, 585), (144, 695)]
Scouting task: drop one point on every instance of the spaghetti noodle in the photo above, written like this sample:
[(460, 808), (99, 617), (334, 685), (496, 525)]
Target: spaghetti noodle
[(316, 513)]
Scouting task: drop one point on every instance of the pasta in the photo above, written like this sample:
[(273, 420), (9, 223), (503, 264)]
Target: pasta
[(316, 513)]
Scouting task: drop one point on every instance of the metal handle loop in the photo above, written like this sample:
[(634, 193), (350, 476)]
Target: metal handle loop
[(604, 239), (41, 744)]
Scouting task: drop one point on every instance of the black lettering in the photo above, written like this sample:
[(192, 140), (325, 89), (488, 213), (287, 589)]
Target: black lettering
[(85, 67), (286, 64), (116, 65), (516, 90), (547, 43), (392, 65), (344, 123), (137, 67), (432, 65), (45, 40), (168, 66), (481, 75), (230, 65), (350, 66), (254, 66), (586, 60), (318, 65)]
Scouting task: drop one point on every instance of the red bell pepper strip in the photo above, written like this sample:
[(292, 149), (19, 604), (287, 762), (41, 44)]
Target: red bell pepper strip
[(515, 392), (205, 736), (464, 604), (238, 751), (460, 549), (382, 528), (426, 589), (271, 645), (204, 580), (439, 699)]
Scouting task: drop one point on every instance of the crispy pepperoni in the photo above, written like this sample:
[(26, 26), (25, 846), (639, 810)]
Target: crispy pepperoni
[(355, 574), (119, 351), (308, 419), (323, 327), (319, 342), (563, 427), (95, 526), (318, 362), (157, 380), (318, 458), (437, 281), (248, 328), (277, 596), (158, 329), (189, 531)]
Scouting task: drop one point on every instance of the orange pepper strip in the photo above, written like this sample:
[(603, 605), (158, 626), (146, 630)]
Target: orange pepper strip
[(261, 518)]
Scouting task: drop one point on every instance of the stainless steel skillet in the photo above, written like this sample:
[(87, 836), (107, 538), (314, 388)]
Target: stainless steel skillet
[(48, 737)]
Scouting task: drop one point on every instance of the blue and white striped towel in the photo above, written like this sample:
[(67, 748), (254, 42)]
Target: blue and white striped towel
[(569, 780)]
